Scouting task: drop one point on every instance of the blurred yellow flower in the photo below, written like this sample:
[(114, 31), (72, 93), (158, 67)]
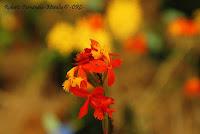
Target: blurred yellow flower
[(60, 38), (88, 28), (124, 17)]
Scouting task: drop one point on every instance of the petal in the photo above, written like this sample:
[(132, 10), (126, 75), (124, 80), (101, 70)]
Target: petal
[(76, 81), (66, 85), (110, 112), (94, 44), (107, 101), (71, 72), (79, 92), (96, 66), (84, 109), (83, 57), (84, 84), (98, 91), (81, 72), (98, 114), (111, 77), (96, 54), (116, 63)]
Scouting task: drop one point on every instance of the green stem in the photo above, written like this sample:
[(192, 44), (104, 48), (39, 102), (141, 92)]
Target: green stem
[(106, 122), (106, 125)]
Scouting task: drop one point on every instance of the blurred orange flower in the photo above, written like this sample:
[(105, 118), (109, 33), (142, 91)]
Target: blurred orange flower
[(183, 27), (136, 44), (192, 87), (95, 21)]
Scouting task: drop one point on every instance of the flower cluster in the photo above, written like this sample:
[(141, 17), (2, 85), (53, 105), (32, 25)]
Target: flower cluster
[(93, 66)]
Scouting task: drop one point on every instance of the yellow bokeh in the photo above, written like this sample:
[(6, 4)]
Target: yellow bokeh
[(84, 33), (124, 18), (61, 37)]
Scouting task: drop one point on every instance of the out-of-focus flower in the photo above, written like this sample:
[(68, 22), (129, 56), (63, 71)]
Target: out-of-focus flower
[(60, 38), (192, 87), (95, 22), (124, 18), (182, 27), (137, 44), (92, 27), (144, 42)]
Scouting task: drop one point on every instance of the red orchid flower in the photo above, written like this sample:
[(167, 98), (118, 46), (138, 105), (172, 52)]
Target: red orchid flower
[(97, 100)]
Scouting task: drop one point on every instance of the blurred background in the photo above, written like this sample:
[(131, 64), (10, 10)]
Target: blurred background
[(157, 90)]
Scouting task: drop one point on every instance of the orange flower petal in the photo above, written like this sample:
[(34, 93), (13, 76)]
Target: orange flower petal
[(98, 113), (116, 63), (79, 92), (96, 66), (111, 77), (98, 91)]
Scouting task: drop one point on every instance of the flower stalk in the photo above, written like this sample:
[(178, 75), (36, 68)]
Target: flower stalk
[(105, 125)]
